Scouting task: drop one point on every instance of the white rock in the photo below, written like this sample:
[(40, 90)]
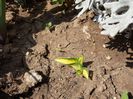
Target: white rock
[(104, 46), (108, 58), (31, 78)]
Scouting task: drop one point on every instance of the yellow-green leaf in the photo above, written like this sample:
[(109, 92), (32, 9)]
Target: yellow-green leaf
[(49, 24), (81, 60), (85, 73), (77, 67), (124, 95), (78, 72), (67, 61)]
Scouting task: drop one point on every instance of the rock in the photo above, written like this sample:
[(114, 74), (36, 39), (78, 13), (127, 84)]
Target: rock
[(27, 53), (104, 45), (9, 16), (31, 78), (114, 98), (108, 58)]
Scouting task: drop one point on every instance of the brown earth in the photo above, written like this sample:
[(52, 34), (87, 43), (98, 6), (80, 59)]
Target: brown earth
[(31, 46)]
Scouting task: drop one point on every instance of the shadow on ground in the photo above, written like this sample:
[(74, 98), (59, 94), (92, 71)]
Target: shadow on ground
[(123, 43), (22, 32)]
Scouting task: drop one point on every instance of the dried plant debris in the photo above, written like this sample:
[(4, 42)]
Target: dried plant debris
[(114, 16)]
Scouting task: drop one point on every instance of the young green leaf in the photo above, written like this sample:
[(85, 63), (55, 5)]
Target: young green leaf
[(78, 72), (77, 64), (67, 61), (77, 67), (61, 1), (124, 95), (85, 73), (81, 60), (48, 25)]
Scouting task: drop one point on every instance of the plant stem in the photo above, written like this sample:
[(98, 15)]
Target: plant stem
[(2, 19)]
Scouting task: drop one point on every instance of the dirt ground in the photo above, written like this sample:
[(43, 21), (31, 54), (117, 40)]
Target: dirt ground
[(31, 46)]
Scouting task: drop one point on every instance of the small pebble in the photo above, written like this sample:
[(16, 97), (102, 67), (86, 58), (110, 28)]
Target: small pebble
[(114, 98), (108, 58), (27, 53), (104, 46)]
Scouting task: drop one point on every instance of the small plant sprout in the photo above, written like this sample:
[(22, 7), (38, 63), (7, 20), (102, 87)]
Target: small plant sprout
[(124, 95), (49, 25), (77, 64)]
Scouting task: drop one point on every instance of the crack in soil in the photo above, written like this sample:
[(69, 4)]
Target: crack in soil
[(49, 67), (115, 89)]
